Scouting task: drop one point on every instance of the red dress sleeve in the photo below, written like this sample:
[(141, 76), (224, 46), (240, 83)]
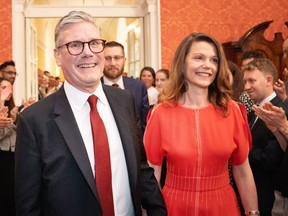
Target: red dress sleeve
[(246, 125), (152, 138), (242, 135)]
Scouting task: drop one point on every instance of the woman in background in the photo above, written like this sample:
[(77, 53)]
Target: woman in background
[(147, 76), (162, 75), (7, 148), (198, 128)]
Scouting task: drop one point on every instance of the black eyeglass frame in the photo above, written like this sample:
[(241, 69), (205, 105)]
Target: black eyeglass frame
[(83, 45)]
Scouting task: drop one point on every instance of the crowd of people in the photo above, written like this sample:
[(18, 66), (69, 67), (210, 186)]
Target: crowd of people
[(9, 112), (204, 137)]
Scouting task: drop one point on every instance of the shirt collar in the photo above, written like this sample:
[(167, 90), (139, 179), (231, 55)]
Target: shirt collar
[(267, 99), (109, 82), (79, 98)]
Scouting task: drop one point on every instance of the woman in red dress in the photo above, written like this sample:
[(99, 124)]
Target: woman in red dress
[(198, 128)]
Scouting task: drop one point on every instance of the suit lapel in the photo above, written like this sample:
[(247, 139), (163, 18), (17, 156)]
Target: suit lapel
[(66, 123)]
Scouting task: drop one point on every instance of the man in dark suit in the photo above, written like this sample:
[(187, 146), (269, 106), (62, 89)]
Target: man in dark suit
[(113, 75), (266, 154), (55, 159), (276, 120)]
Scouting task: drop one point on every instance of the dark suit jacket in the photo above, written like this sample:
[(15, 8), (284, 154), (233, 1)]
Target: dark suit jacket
[(281, 178), (139, 91), (53, 172), (265, 158)]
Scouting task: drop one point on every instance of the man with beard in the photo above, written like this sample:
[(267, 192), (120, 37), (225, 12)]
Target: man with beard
[(8, 71), (113, 75)]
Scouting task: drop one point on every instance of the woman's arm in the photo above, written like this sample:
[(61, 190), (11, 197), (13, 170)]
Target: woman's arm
[(245, 183), (157, 171)]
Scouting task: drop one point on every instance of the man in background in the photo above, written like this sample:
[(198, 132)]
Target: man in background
[(247, 57), (250, 55), (266, 153), (114, 75), (8, 71)]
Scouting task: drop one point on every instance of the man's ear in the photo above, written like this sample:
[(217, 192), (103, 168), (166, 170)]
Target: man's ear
[(270, 80), (1, 74), (57, 54)]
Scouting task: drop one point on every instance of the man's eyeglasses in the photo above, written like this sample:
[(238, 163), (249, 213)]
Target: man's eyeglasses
[(77, 47), (116, 58), (11, 73)]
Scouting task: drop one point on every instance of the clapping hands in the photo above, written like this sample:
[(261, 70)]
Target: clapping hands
[(4, 120), (274, 117)]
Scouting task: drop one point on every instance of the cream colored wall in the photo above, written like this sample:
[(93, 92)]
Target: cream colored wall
[(45, 44), (147, 10)]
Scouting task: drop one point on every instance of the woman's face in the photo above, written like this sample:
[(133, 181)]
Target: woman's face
[(201, 65), (147, 78), (161, 79)]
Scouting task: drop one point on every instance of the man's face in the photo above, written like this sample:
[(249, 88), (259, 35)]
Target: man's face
[(257, 85), (114, 62), (9, 73), (82, 71)]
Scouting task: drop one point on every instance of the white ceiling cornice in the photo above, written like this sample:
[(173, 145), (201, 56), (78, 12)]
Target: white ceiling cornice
[(96, 11)]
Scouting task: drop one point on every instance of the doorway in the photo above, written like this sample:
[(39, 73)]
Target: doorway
[(140, 37)]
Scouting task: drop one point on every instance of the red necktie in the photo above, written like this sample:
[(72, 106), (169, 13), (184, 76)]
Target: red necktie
[(115, 85), (102, 159)]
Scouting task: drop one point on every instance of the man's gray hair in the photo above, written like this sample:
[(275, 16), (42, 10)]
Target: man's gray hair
[(72, 17)]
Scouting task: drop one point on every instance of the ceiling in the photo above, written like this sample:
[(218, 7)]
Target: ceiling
[(83, 2)]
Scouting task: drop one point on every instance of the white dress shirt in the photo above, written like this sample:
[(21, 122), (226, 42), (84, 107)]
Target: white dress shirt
[(120, 183), (119, 82), (152, 95), (267, 99)]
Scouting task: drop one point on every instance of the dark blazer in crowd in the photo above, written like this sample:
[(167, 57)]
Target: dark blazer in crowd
[(265, 158), (139, 91), (281, 177), (53, 172)]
